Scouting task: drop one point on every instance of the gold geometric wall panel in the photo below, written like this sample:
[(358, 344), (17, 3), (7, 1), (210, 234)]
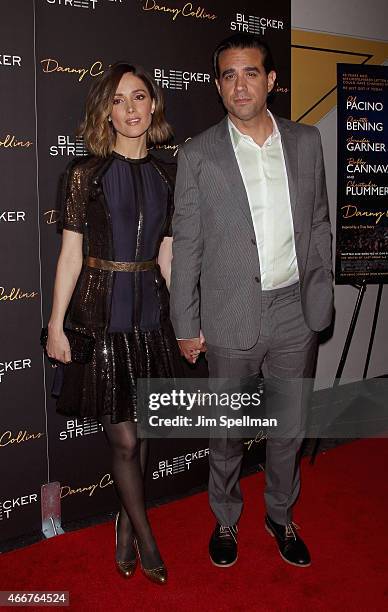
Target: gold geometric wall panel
[(314, 58)]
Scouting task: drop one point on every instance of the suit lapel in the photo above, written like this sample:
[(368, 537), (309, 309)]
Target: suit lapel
[(226, 159), (290, 150), (228, 163)]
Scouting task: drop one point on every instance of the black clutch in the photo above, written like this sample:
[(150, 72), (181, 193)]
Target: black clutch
[(81, 345)]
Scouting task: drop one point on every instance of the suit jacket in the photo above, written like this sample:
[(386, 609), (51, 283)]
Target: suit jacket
[(214, 239)]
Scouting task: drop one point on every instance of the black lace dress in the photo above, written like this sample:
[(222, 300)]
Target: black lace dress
[(140, 341)]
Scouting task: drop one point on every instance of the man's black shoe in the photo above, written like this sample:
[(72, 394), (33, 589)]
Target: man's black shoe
[(223, 546), (291, 547)]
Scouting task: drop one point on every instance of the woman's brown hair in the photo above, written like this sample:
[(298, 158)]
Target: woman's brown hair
[(98, 133)]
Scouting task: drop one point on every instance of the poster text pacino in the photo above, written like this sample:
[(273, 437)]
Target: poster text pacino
[(362, 188)]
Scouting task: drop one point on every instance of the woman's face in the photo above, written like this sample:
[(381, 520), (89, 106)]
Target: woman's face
[(132, 107)]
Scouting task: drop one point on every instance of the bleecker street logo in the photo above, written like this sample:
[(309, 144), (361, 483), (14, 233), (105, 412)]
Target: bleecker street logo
[(10, 60), (182, 463), (50, 65), (15, 503), (76, 428), (11, 367), (66, 145), (255, 25), (85, 4), (12, 216), (179, 79)]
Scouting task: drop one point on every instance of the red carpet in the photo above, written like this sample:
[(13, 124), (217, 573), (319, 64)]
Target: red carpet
[(343, 513)]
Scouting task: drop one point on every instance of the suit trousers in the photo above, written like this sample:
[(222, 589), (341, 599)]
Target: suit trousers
[(286, 354)]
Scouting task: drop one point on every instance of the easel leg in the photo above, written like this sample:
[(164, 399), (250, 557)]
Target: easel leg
[(345, 351), (373, 330)]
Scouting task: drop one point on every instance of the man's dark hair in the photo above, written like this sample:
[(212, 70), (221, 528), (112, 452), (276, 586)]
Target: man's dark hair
[(244, 41)]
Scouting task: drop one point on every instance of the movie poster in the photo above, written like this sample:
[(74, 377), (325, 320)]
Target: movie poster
[(362, 184)]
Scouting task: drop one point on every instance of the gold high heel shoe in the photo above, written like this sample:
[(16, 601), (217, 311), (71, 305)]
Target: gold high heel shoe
[(125, 568), (158, 575)]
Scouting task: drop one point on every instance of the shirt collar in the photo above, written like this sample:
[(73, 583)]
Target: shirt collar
[(237, 136)]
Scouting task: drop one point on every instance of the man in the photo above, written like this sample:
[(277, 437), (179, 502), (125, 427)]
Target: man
[(251, 226)]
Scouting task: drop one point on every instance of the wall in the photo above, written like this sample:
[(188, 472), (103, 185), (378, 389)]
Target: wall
[(353, 27)]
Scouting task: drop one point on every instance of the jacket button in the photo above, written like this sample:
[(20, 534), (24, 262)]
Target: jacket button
[(257, 279), (253, 241)]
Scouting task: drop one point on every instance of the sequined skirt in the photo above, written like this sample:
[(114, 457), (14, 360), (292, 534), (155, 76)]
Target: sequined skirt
[(107, 384)]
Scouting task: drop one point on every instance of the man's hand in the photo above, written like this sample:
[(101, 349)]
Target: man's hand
[(191, 347)]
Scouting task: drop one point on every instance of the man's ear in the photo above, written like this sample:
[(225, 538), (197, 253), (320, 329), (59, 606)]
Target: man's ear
[(216, 81), (271, 79)]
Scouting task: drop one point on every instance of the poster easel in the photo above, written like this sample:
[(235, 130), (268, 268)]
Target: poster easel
[(361, 292)]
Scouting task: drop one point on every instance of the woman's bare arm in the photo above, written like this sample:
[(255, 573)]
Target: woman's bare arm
[(68, 270), (165, 258)]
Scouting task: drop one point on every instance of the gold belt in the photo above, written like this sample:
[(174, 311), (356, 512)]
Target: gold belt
[(120, 266)]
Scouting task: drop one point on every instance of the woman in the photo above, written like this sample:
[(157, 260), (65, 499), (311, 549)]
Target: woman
[(117, 209)]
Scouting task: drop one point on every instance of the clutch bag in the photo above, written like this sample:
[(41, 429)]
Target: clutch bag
[(81, 345)]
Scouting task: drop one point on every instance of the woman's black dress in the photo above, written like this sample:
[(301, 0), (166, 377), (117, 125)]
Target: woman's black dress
[(140, 341)]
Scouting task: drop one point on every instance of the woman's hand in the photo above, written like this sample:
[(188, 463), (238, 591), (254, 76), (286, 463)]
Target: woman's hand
[(58, 346)]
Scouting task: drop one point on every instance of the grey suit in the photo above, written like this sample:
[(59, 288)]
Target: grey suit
[(214, 243)]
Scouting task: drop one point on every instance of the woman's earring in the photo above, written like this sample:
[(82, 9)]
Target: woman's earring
[(110, 119)]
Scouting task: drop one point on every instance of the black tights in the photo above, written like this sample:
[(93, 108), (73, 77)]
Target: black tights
[(129, 457)]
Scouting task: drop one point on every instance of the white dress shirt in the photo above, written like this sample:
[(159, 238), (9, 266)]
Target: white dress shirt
[(264, 174)]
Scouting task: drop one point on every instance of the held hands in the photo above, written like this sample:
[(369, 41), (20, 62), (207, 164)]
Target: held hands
[(191, 347), (58, 347)]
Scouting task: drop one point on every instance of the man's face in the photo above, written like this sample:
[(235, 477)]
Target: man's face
[(243, 83)]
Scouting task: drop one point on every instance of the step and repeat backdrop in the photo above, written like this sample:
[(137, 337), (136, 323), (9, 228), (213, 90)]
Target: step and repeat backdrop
[(50, 52)]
